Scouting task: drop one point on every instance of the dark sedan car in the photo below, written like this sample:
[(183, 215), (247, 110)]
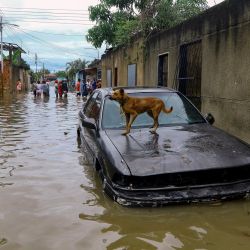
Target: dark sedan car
[(188, 160)]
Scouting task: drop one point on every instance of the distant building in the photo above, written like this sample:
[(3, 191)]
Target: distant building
[(50, 77), (14, 68), (92, 71)]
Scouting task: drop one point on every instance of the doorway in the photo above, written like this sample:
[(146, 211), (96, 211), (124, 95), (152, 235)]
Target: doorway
[(163, 70), (188, 72), (116, 78)]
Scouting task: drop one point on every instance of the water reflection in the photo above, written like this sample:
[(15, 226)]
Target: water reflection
[(61, 102)]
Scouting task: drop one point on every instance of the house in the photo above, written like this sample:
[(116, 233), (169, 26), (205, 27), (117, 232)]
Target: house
[(92, 71), (14, 68)]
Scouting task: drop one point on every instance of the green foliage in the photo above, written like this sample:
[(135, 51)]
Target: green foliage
[(124, 31), (117, 21), (16, 56), (17, 60), (61, 74), (39, 75), (24, 64), (75, 66)]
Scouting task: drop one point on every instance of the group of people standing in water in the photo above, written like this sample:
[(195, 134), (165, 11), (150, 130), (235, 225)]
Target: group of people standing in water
[(61, 88), (82, 88), (40, 89)]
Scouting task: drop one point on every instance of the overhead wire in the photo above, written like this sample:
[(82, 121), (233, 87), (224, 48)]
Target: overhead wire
[(34, 21), (56, 34), (51, 44), (74, 10), (24, 14), (47, 12), (37, 16), (50, 18), (8, 31)]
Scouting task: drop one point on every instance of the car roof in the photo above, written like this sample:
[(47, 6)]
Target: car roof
[(140, 89)]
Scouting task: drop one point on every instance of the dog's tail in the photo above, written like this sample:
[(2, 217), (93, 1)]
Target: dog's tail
[(165, 110)]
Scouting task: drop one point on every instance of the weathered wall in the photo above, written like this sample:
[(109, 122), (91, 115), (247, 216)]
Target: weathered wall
[(10, 76), (120, 58), (7, 86), (225, 74), (224, 31)]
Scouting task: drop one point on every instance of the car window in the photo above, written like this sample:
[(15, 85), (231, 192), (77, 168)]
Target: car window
[(93, 106), (183, 112)]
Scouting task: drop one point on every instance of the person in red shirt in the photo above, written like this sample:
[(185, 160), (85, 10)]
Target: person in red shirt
[(60, 89), (77, 87)]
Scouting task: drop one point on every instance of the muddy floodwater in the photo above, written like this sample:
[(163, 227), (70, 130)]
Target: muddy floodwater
[(51, 198)]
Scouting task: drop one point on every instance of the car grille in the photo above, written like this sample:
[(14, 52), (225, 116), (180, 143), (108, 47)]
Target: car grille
[(192, 178)]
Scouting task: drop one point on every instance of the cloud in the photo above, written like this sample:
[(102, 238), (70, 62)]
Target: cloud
[(36, 36)]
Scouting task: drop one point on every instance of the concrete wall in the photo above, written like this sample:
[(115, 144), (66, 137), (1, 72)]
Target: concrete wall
[(120, 58), (224, 31)]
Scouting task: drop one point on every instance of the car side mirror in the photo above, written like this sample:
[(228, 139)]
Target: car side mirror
[(89, 123), (210, 119)]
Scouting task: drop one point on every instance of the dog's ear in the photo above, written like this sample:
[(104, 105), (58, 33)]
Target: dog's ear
[(122, 91)]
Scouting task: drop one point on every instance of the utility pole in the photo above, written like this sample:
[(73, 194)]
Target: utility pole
[(1, 30), (43, 71), (36, 65)]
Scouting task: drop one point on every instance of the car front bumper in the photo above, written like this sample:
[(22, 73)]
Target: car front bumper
[(184, 195)]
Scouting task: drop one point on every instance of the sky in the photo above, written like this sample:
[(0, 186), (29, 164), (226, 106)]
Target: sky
[(53, 31)]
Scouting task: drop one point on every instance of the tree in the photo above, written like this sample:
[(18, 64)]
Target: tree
[(74, 66), (61, 74), (39, 75), (130, 17)]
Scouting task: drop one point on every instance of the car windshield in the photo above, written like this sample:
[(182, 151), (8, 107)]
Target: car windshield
[(183, 112)]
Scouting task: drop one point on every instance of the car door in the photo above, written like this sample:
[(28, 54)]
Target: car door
[(91, 112)]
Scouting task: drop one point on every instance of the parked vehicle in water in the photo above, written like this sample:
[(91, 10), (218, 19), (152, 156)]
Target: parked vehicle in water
[(188, 160)]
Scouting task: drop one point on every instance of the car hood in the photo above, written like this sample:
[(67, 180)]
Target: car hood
[(179, 149)]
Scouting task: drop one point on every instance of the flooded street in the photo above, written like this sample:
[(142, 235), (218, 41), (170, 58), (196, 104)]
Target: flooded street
[(51, 198)]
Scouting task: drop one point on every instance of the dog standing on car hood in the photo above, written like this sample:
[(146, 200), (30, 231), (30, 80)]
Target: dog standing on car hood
[(133, 106)]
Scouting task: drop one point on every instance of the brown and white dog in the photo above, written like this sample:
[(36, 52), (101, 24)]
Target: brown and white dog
[(133, 106)]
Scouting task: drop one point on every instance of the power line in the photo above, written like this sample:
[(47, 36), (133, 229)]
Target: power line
[(12, 20), (24, 15), (50, 44), (74, 10), (21, 12), (30, 59), (57, 34), (50, 22), (48, 18), (48, 15), (13, 30)]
